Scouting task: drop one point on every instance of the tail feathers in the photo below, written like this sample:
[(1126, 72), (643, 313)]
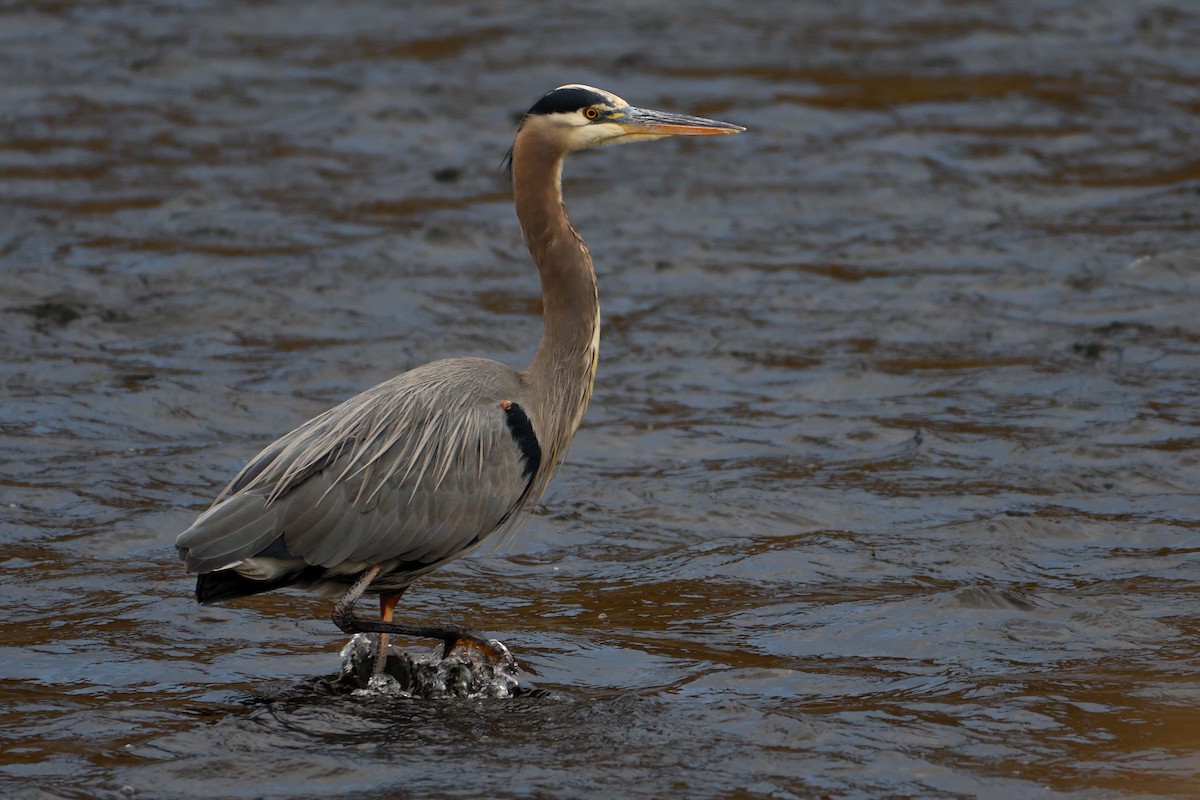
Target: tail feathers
[(225, 584), (237, 528)]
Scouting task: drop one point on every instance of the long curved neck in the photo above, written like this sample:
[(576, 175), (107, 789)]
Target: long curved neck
[(562, 372)]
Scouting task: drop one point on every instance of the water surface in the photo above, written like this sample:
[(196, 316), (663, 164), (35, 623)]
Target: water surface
[(889, 486)]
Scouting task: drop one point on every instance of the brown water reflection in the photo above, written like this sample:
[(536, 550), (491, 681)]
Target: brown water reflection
[(889, 487)]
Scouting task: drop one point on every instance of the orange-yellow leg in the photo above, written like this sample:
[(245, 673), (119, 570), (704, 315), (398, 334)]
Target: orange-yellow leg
[(343, 617), (387, 604)]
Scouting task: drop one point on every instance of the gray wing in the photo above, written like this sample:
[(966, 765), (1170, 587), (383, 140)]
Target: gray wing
[(416, 470)]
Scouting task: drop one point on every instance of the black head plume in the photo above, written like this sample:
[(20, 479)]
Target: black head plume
[(566, 99), (506, 165)]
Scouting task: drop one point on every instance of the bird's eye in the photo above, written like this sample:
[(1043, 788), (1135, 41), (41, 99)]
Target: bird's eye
[(591, 113)]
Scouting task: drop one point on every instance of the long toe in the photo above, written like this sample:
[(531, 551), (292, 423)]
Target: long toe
[(490, 649), (381, 654)]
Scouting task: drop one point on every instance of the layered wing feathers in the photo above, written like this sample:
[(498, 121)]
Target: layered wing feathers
[(416, 469)]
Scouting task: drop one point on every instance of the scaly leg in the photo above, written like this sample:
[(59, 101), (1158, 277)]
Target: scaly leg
[(343, 616), (344, 608), (387, 604)]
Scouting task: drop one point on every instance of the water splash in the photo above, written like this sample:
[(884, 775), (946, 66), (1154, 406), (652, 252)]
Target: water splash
[(466, 672)]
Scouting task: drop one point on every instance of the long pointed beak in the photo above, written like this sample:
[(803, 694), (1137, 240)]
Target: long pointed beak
[(647, 122)]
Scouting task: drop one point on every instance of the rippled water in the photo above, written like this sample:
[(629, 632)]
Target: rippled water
[(890, 483)]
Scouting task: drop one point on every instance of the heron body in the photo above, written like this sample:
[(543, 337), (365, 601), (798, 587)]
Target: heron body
[(419, 470), (349, 488)]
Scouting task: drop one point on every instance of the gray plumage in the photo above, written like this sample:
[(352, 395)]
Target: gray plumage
[(422, 468), (413, 471)]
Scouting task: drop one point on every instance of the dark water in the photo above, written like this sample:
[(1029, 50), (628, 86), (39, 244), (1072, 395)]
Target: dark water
[(890, 484)]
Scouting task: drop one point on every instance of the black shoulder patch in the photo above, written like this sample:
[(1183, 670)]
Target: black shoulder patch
[(567, 100), (522, 432)]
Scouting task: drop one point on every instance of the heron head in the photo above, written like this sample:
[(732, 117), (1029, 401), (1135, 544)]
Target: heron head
[(576, 117)]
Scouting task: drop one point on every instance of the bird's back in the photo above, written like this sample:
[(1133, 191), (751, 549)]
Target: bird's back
[(410, 473)]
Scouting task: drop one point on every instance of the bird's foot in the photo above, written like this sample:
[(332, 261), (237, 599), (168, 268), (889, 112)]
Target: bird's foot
[(468, 671), (452, 636), (468, 639), (343, 617)]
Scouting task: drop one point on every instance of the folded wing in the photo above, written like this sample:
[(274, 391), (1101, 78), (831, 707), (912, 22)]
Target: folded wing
[(415, 471)]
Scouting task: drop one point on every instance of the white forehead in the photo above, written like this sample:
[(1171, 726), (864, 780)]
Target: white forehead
[(613, 100)]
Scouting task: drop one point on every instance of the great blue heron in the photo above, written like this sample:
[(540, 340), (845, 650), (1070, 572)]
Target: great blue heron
[(419, 470)]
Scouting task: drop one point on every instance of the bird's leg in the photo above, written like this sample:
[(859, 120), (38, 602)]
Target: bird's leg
[(343, 610), (343, 616), (387, 604), (450, 635)]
